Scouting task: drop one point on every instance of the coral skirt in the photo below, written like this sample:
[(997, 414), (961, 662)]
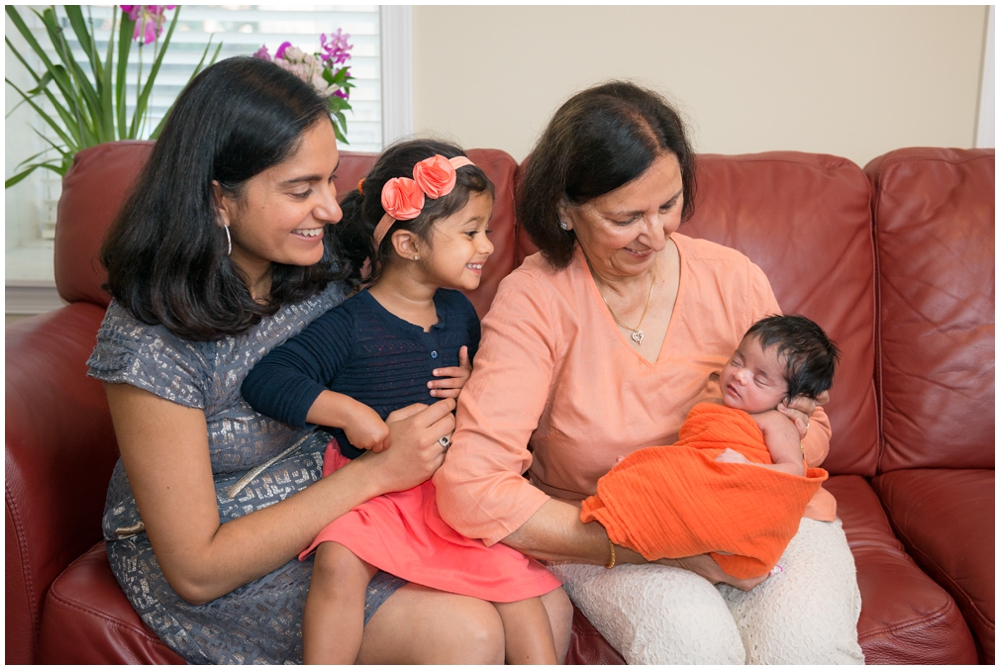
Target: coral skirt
[(403, 534)]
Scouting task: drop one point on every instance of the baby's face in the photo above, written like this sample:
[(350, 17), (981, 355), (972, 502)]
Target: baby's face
[(754, 379)]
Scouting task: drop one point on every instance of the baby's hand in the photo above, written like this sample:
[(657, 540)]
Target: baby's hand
[(452, 379), (732, 456), (367, 430)]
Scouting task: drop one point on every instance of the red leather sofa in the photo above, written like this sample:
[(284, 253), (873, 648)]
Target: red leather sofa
[(896, 261)]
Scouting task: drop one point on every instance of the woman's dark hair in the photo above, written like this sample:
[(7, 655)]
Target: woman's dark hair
[(598, 141), (166, 252), (810, 356), (363, 208)]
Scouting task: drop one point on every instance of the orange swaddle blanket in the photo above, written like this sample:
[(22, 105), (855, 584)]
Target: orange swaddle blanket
[(675, 501)]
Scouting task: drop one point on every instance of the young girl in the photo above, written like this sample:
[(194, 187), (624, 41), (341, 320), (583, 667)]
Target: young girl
[(420, 219)]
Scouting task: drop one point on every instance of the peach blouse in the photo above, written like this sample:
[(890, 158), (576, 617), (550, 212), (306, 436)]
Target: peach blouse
[(559, 392)]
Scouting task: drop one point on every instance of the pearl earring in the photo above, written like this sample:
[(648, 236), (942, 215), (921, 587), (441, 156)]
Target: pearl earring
[(564, 225), (416, 258)]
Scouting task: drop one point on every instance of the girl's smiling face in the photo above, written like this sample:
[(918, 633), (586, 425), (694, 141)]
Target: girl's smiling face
[(458, 247), (281, 213), (621, 232), (753, 380)]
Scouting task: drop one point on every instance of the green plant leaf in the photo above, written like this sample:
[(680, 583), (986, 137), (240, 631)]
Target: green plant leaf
[(86, 109), (143, 100), (105, 83), (58, 128), (125, 31), (17, 54), (76, 20), (28, 36)]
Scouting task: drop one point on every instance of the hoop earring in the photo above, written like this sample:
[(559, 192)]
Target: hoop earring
[(229, 241)]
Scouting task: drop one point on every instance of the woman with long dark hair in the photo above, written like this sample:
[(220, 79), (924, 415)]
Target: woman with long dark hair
[(222, 252)]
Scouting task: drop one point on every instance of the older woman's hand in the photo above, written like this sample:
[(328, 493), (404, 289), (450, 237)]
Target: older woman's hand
[(703, 566), (417, 451), (800, 409)]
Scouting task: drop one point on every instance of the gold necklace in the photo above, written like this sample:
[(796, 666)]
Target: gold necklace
[(637, 334)]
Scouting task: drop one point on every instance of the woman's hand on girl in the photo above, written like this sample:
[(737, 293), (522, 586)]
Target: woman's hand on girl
[(452, 379), (415, 434)]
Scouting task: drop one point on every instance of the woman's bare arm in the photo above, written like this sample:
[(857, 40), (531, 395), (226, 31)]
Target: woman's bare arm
[(164, 448), (556, 534)]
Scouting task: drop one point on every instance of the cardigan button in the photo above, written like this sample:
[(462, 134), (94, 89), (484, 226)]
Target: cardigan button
[(434, 354)]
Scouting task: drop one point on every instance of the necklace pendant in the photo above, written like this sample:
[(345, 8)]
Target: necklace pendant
[(637, 336)]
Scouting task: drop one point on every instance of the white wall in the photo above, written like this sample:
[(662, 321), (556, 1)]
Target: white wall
[(851, 81)]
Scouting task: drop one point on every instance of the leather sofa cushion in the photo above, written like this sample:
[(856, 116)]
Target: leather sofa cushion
[(925, 626), (53, 480), (947, 521), (93, 190), (936, 280), (88, 620)]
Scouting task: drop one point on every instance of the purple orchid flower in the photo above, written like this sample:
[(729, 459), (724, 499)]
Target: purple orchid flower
[(148, 19), (262, 53), (281, 50), (336, 50)]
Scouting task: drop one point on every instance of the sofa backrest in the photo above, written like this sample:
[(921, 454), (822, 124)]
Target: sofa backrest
[(102, 176), (804, 218), (934, 214), (92, 191)]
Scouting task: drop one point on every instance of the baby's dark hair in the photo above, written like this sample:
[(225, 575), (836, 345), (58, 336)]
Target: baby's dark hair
[(363, 207), (810, 356)]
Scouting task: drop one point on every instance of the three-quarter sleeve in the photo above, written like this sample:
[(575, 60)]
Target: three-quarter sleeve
[(480, 488), (287, 381)]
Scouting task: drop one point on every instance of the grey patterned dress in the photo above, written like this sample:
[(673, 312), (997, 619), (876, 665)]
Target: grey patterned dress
[(259, 622)]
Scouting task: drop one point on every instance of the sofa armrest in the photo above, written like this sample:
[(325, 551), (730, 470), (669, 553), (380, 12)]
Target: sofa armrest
[(59, 452)]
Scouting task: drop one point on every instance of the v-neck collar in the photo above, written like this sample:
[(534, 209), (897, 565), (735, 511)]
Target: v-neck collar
[(581, 261)]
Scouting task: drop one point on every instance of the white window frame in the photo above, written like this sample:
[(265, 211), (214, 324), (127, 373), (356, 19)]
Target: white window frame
[(36, 296)]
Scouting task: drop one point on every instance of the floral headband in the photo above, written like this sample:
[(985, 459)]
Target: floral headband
[(403, 198)]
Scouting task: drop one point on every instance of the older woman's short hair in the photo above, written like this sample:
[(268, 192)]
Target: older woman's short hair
[(599, 140)]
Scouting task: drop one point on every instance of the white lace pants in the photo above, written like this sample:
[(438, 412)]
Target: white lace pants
[(655, 614)]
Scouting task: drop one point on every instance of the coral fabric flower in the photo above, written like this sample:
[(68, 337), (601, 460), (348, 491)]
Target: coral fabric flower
[(402, 198), (435, 176)]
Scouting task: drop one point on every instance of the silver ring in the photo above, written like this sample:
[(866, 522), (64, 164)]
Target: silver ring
[(445, 442)]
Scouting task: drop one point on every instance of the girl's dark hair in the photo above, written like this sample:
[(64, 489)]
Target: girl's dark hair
[(166, 252), (363, 208), (810, 356), (598, 141)]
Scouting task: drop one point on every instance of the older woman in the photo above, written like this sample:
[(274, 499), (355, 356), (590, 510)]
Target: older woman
[(598, 346), (218, 256)]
